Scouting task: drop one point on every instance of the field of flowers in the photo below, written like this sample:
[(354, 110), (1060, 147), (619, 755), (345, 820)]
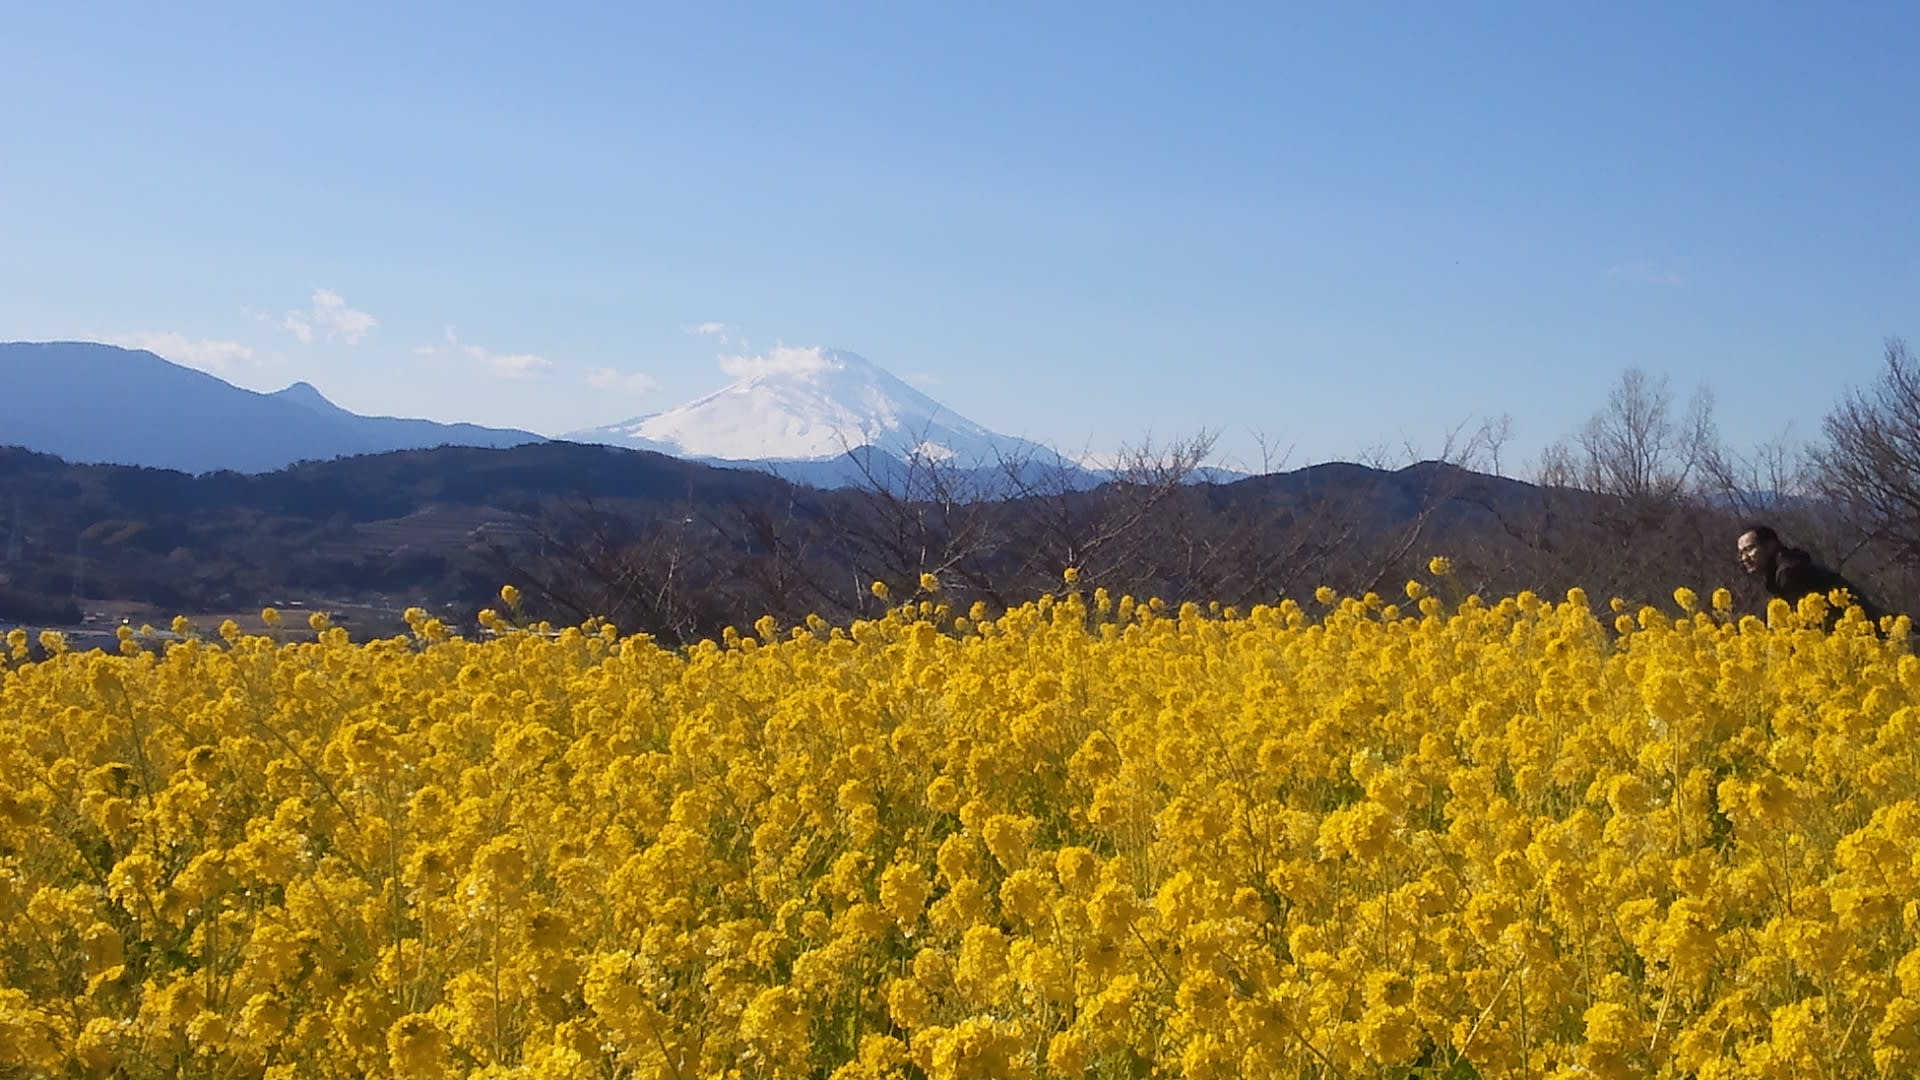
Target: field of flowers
[(1088, 837)]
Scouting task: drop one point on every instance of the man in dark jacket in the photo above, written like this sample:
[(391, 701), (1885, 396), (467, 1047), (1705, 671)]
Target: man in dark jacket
[(1790, 573)]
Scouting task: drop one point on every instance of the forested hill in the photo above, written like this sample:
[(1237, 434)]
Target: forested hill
[(408, 521), (682, 549)]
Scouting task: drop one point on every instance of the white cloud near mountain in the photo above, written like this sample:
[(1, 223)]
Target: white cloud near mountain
[(502, 365), (216, 357), (779, 360), (717, 330), (328, 317), (621, 383)]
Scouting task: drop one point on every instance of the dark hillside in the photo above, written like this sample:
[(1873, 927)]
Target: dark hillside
[(408, 521), (682, 549)]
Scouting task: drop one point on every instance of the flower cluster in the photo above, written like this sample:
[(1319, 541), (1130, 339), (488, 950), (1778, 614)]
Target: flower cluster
[(1086, 837)]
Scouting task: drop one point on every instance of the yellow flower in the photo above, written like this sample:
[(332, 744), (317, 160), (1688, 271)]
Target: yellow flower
[(1168, 838), (942, 794), (417, 1047), (977, 1046), (903, 891), (908, 1003), (1067, 1054), (774, 1027)]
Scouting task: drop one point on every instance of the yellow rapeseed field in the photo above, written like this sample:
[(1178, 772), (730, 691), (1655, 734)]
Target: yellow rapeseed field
[(1088, 837)]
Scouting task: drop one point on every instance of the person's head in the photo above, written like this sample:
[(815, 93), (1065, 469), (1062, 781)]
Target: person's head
[(1758, 547)]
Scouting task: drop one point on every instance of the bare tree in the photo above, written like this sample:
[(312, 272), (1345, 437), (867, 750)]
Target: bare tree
[(652, 575), (1870, 464), (1635, 449), (1631, 504), (1273, 459), (919, 514), (782, 562), (1114, 533), (1493, 438), (1776, 480)]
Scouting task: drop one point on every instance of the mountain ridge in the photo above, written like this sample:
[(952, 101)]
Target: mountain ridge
[(97, 403), (306, 394), (821, 417)]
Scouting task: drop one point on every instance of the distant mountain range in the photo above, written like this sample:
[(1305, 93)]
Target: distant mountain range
[(87, 402), (821, 417), (682, 549)]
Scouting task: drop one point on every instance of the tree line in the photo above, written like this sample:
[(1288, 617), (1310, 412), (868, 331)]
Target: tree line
[(1644, 497)]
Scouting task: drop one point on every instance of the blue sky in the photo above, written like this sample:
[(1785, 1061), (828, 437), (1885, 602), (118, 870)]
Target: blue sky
[(1342, 228)]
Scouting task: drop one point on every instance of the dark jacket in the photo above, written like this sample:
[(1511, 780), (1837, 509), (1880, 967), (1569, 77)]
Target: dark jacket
[(1795, 575)]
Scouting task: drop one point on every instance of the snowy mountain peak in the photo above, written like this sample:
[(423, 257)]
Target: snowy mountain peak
[(810, 404)]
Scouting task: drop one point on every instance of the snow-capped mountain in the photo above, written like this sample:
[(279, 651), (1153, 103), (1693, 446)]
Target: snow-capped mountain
[(805, 411)]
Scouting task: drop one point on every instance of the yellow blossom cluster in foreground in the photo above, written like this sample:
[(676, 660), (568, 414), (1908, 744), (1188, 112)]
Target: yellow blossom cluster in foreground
[(1086, 838)]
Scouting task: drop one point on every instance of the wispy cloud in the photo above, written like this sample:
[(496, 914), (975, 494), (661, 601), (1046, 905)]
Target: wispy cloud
[(503, 365), (615, 382), (217, 357), (724, 333), (327, 317), (1657, 273), (781, 359)]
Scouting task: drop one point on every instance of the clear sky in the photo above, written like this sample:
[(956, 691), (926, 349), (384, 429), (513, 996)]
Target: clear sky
[(1339, 226)]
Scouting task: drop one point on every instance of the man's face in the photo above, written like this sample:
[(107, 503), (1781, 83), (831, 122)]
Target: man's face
[(1755, 554)]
